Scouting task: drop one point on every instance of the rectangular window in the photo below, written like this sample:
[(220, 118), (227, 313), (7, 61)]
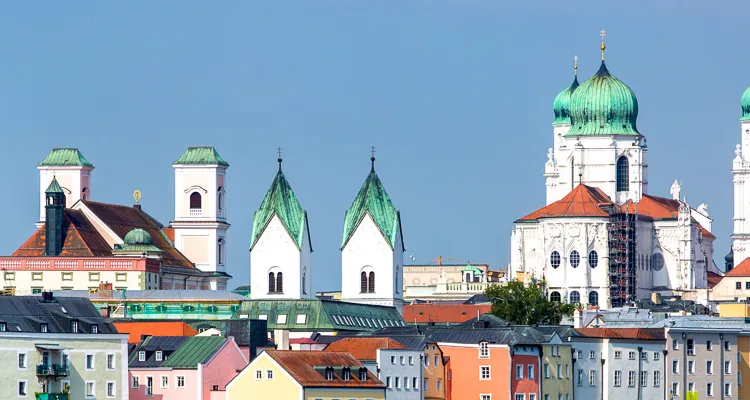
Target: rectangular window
[(89, 362), (675, 366), (546, 371), (580, 354), (519, 371), (691, 347), (580, 377), (559, 371), (388, 381), (36, 290), (675, 346), (530, 373), (181, 381), (644, 355), (90, 392), (675, 388), (67, 276), (484, 372), (644, 379), (709, 389), (592, 355), (657, 378), (618, 355), (747, 285), (567, 371), (393, 360), (691, 367), (37, 276), (709, 367), (485, 397), (425, 383), (631, 355), (439, 385), (406, 382), (111, 393), (10, 276), (269, 374), (727, 389), (165, 381), (411, 360), (657, 356), (23, 388), (141, 356), (484, 350), (520, 396), (121, 277), (135, 382), (691, 387), (631, 378), (710, 344), (727, 346), (592, 377), (281, 319), (258, 375), (738, 285), (93, 277), (435, 361), (22, 361), (111, 362), (401, 360), (396, 382), (727, 367), (414, 383), (618, 378)]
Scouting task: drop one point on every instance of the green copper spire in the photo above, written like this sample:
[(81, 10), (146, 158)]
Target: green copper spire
[(373, 199), (745, 103), (603, 105), (281, 201), (54, 187)]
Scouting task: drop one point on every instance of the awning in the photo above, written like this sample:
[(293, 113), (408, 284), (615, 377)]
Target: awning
[(50, 347)]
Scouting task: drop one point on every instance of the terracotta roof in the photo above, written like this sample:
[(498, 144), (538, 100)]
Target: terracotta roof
[(166, 328), (713, 279), (583, 201), (443, 313), (169, 231), (306, 367), (705, 231), (654, 207), (622, 333), (80, 239), (302, 341), (741, 269), (364, 348)]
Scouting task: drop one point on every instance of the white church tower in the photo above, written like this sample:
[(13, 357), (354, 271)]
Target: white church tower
[(280, 245), (372, 247), (200, 221), (73, 173), (741, 173)]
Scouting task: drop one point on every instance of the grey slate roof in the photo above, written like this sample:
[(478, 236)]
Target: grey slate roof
[(166, 344), (27, 313), (155, 295)]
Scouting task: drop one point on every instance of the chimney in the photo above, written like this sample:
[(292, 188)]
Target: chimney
[(281, 337), (47, 297), (577, 318), (656, 298), (105, 286), (53, 227), (104, 311)]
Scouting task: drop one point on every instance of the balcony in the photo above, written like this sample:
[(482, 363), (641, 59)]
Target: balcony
[(52, 370), (52, 396)]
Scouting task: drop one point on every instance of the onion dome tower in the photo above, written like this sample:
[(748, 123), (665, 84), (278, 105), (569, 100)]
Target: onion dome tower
[(562, 101)]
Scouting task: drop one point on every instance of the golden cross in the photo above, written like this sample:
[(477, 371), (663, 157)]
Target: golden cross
[(603, 34), (575, 65), (278, 151), (372, 151)]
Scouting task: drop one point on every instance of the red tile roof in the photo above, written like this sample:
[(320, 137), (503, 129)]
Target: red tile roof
[(741, 269), (302, 341), (167, 328), (713, 279), (443, 313), (583, 201), (623, 333), (301, 365), (656, 207), (364, 348), (169, 231), (80, 239)]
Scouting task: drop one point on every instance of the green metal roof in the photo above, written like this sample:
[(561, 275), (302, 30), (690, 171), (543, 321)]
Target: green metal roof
[(194, 350), (202, 155), (562, 102), (54, 187), (745, 103), (603, 105), (70, 157), (476, 271), (321, 315), (280, 200), (373, 199)]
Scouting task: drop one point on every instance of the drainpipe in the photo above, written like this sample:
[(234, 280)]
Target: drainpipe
[(664, 361), (684, 362), (640, 350), (573, 370), (721, 365), (601, 390)]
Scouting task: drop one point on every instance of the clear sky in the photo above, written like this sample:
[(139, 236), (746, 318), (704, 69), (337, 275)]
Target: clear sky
[(456, 96)]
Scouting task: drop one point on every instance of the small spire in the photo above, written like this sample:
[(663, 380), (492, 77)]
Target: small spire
[(278, 151), (372, 157), (575, 66), (603, 34)]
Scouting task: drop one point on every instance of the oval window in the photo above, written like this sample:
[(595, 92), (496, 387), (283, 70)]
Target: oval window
[(657, 262), (554, 259), (575, 259), (593, 259)]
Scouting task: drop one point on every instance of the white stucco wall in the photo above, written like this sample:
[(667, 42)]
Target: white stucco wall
[(406, 370), (276, 249), (72, 179)]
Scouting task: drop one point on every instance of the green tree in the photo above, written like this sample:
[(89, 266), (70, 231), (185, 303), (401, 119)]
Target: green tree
[(526, 304)]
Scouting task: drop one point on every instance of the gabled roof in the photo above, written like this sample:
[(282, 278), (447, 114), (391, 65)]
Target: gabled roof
[(741, 269), (622, 333), (583, 201), (166, 344), (364, 348), (26, 313), (372, 199), (179, 352), (306, 367), (65, 157), (136, 329), (281, 201), (443, 313), (713, 279), (654, 207), (200, 155), (80, 239)]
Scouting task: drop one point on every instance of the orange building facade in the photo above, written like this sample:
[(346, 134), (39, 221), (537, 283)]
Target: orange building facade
[(479, 371)]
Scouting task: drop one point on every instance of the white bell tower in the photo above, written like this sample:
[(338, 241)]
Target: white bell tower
[(73, 173), (200, 222), (741, 180)]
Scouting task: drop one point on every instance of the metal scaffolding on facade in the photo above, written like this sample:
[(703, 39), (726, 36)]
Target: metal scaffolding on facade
[(622, 258)]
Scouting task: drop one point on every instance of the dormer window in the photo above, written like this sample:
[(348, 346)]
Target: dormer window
[(43, 328), (362, 374), (329, 373), (346, 374), (94, 329), (159, 356), (141, 356), (74, 326), (2, 327)]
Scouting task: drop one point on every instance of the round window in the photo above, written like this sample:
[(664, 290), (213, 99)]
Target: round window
[(593, 259), (575, 259), (554, 259), (657, 262)]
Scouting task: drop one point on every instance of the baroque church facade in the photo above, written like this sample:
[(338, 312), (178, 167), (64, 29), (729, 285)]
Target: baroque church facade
[(602, 239), (371, 248)]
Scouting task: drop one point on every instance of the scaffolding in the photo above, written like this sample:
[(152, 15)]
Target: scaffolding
[(622, 258)]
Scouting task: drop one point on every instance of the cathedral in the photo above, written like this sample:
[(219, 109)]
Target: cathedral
[(602, 239)]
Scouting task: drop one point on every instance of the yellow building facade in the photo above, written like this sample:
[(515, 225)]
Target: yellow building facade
[(557, 369)]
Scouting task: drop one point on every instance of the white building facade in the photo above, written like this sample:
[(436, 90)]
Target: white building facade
[(741, 175), (72, 171)]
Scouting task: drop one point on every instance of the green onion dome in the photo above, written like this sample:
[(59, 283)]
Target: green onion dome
[(137, 236), (745, 102), (603, 105), (562, 100)]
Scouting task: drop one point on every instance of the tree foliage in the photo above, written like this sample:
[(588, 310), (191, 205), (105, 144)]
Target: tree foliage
[(526, 304)]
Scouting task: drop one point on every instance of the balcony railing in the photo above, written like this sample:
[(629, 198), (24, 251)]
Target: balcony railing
[(52, 370), (52, 396), (195, 212)]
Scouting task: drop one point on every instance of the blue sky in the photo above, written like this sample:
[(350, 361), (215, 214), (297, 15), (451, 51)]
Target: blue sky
[(456, 96)]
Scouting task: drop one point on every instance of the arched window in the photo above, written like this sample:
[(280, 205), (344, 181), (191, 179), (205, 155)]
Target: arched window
[(279, 282), (195, 201), (575, 259), (220, 200), (363, 282), (220, 251), (555, 296), (371, 282), (554, 259), (271, 282), (593, 259), (85, 193), (575, 297), (623, 174), (468, 277), (593, 298)]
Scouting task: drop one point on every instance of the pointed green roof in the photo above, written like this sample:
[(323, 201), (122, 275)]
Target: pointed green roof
[(280, 200), (65, 157), (745, 104), (201, 155), (54, 187), (373, 199)]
